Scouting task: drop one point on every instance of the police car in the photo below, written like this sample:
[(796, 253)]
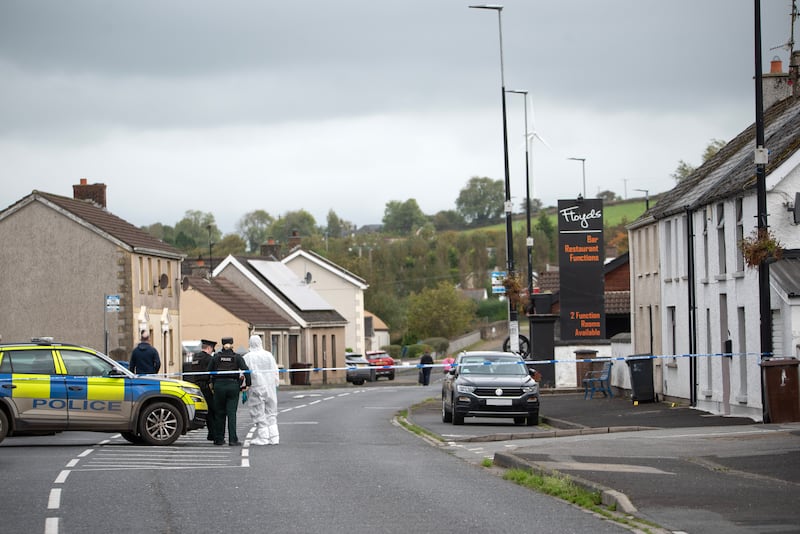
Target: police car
[(48, 387)]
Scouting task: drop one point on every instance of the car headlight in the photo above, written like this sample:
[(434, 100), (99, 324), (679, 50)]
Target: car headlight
[(531, 389), (192, 391), (461, 388)]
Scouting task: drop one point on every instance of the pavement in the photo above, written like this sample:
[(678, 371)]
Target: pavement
[(679, 468)]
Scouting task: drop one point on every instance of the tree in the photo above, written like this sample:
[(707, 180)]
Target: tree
[(685, 169), (195, 230), (608, 196), (536, 205), (253, 227), (448, 220), (481, 201), (230, 244), (439, 312), (338, 227), (300, 221), (402, 218)]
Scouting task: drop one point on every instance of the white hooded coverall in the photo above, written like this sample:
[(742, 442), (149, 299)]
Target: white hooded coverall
[(262, 397)]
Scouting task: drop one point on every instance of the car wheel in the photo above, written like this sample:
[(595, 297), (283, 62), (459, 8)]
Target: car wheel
[(133, 437), (358, 382), (3, 425), (519, 420), (447, 415), (160, 424), (533, 419), (391, 375)]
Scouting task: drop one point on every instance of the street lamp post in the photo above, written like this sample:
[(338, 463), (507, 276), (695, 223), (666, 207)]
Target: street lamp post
[(513, 325), (583, 172), (646, 198), (583, 169), (529, 239)]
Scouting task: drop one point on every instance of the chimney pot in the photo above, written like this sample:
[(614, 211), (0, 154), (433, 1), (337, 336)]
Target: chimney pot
[(776, 66)]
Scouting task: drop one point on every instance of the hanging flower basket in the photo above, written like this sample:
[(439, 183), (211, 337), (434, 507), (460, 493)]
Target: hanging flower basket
[(516, 291), (760, 246)]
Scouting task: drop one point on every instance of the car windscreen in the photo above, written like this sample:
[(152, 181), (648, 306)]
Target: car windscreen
[(493, 366)]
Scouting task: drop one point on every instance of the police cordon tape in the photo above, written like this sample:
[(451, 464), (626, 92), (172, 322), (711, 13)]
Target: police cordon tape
[(530, 363)]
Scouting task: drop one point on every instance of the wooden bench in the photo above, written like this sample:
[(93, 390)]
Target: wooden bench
[(599, 380)]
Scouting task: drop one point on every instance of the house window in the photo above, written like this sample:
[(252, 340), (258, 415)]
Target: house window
[(705, 246), (141, 275), (721, 237), (158, 275), (169, 277), (149, 275), (275, 345), (315, 350), (668, 250), (739, 235)]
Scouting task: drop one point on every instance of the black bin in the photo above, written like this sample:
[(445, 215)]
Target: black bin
[(641, 378), (300, 378), (780, 379)]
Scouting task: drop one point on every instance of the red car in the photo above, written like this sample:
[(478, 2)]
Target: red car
[(380, 358)]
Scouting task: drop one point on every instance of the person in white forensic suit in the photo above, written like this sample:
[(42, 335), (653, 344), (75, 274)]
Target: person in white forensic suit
[(262, 398)]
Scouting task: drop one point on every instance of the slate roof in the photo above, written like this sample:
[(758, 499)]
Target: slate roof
[(313, 317), (732, 170), (238, 302), (103, 221)]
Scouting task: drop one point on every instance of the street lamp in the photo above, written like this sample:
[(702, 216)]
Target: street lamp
[(513, 326), (583, 167), (529, 240), (646, 198)]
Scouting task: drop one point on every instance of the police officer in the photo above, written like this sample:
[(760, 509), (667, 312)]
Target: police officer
[(200, 362), (225, 369)]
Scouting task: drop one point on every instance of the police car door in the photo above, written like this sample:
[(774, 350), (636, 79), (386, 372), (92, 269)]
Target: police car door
[(28, 381), (96, 400)]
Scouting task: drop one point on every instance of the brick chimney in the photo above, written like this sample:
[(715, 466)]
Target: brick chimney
[(271, 249), (294, 240), (94, 192)]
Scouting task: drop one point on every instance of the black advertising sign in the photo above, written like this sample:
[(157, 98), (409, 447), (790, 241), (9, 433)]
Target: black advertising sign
[(581, 259)]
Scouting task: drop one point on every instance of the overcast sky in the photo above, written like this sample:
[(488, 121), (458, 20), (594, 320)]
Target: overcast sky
[(231, 106)]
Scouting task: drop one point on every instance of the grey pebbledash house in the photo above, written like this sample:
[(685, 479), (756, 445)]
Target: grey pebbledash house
[(693, 296)]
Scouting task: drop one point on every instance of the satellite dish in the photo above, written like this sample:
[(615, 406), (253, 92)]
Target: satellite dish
[(163, 281), (308, 278), (185, 283)]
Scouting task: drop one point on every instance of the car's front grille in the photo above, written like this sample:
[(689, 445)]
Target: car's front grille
[(492, 392)]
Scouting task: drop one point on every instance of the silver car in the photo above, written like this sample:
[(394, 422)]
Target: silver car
[(358, 369)]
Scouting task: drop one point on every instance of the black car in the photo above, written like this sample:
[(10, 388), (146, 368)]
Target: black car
[(490, 384)]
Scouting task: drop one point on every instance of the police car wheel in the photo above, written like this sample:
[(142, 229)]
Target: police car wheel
[(3, 425), (160, 424), (132, 437)]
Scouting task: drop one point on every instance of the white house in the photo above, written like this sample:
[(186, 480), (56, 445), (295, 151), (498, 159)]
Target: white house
[(692, 293)]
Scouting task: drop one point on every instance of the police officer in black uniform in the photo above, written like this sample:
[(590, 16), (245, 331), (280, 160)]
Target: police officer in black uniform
[(200, 362), (226, 387)]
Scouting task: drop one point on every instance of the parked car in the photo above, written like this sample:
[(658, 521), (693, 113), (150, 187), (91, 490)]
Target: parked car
[(48, 387), (358, 369), (381, 358), (490, 384)]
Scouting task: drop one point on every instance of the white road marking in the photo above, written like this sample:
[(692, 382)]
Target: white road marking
[(73, 462), (51, 525), (54, 501), (62, 476), (87, 452)]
